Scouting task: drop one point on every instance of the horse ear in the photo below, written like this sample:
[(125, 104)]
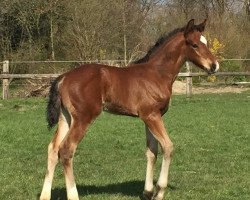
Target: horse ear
[(189, 27), (201, 27)]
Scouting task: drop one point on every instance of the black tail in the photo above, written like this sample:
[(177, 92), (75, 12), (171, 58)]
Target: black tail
[(54, 104)]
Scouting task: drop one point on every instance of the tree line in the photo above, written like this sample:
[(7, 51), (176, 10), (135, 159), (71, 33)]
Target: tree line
[(114, 29)]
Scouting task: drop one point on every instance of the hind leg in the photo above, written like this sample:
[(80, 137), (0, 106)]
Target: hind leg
[(63, 127), (66, 153), (68, 147)]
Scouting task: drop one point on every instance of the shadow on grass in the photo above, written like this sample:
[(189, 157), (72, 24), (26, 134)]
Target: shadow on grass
[(130, 188)]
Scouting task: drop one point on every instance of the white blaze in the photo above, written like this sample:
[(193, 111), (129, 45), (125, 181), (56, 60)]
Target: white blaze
[(203, 40)]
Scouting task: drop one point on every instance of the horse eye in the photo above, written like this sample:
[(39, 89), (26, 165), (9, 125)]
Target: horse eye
[(194, 46)]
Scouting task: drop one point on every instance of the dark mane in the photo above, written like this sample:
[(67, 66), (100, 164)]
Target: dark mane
[(158, 43)]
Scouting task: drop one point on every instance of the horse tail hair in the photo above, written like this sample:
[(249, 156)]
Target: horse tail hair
[(54, 104)]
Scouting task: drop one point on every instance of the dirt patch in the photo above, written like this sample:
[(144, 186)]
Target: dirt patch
[(179, 87)]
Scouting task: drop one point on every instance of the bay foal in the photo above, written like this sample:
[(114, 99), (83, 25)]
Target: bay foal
[(142, 89)]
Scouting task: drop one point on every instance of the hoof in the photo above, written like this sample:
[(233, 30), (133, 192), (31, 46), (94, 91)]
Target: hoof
[(159, 193), (148, 195)]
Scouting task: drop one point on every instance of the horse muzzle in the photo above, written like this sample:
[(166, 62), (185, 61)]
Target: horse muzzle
[(214, 68)]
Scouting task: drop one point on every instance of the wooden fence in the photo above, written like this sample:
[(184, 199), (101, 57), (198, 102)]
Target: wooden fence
[(6, 76)]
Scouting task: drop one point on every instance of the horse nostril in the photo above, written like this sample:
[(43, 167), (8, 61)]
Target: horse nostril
[(213, 67)]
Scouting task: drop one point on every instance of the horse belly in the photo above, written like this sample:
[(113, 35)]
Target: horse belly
[(118, 109)]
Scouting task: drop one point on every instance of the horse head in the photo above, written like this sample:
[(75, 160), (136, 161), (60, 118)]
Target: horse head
[(196, 47)]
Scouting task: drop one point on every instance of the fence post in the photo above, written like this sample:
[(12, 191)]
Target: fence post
[(189, 82), (5, 80)]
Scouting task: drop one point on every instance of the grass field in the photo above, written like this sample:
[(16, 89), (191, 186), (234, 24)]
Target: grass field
[(211, 134)]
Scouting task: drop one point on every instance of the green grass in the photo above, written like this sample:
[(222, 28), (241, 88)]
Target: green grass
[(211, 134)]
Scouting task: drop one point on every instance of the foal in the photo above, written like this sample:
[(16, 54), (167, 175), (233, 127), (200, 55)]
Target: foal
[(142, 89)]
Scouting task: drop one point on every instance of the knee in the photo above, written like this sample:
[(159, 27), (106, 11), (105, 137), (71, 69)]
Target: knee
[(169, 149)]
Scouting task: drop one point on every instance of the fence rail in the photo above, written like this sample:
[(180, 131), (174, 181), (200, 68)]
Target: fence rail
[(181, 74), (6, 76)]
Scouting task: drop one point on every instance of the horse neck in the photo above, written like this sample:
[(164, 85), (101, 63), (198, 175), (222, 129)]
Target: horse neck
[(170, 57)]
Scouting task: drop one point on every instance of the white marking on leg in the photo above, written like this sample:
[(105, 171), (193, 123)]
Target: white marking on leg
[(72, 193), (53, 157), (163, 179), (203, 40), (52, 161), (151, 153), (149, 186)]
